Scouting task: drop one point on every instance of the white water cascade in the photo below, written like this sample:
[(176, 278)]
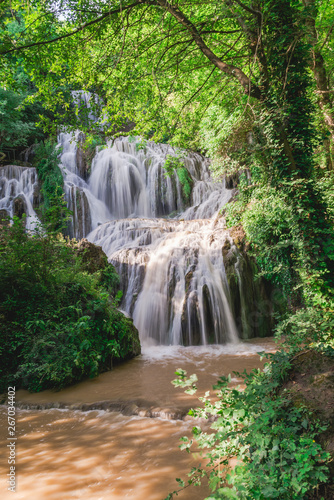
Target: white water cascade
[(19, 193), (167, 250)]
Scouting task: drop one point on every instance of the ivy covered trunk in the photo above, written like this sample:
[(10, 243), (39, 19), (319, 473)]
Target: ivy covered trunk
[(287, 126)]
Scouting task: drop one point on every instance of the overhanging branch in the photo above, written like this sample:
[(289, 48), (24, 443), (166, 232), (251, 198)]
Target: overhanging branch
[(228, 69), (74, 32)]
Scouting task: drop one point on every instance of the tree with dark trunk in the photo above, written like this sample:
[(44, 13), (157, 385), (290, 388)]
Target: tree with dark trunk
[(162, 63)]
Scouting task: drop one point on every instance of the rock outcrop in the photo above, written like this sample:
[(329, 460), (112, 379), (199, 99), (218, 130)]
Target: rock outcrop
[(92, 256), (4, 217), (20, 207), (93, 260), (253, 299), (81, 158)]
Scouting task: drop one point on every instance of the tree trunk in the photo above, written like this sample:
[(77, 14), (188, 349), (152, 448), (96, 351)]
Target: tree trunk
[(317, 64)]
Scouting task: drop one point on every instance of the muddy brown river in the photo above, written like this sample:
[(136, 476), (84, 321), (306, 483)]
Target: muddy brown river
[(116, 436)]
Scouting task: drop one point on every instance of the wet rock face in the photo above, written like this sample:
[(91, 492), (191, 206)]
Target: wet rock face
[(4, 221), (20, 207), (232, 181), (132, 340), (3, 184), (28, 154), (238, 236), (37, 196), (253, 300), (81, 222), (83, 215), (81, 157), (190, 320), (4, 217)]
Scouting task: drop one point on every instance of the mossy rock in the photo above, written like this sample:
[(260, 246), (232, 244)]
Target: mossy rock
[(133, 342), (92, 256), (4, 217), (238, 235)]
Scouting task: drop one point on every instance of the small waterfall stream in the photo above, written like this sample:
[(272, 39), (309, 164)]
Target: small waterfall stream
[(19, 193), (168, 251)]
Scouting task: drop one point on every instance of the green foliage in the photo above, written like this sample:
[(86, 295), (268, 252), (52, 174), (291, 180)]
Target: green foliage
[(173, 164), (92, 143), (59, 323), (17, 125), (46, 163), (325, 185), (292, 247), (140, 143), (153, 78), (273, 441), (226, 134), (311, 326), (111, 280), (267, 219), (53, 208), (267, 223)]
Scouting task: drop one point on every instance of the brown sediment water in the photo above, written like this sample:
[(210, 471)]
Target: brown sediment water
[(73, 454)]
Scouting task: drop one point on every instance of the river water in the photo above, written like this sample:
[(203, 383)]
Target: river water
[(84, 450)]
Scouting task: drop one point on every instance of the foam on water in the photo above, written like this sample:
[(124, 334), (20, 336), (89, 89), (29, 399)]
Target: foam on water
[(185, 353)]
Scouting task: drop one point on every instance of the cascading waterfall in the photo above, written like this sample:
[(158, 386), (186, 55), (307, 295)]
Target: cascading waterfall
[(167, 248), (126, 183), (171, 268), (173, 278)]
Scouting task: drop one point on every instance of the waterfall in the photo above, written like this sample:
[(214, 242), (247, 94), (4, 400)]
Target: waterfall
[(173, 278), (88, 210), (19, 193), (167, 249), (125, 182), (166, 246)]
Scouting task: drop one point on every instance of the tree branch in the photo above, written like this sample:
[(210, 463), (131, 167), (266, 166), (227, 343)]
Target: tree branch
[(248, 9), (228, 69), (74, 32)]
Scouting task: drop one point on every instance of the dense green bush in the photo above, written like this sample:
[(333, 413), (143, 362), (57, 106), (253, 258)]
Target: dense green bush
[(275, 221), (267, 223), (47, 165), (17, 125), (267, 219), (58, 323), (311, 326)]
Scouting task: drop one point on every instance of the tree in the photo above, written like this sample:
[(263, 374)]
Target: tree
[(163, 43), (318, 66), (161, 63)]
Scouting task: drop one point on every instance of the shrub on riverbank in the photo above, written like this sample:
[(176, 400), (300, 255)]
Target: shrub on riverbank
[(58, 321), (279, 430)]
